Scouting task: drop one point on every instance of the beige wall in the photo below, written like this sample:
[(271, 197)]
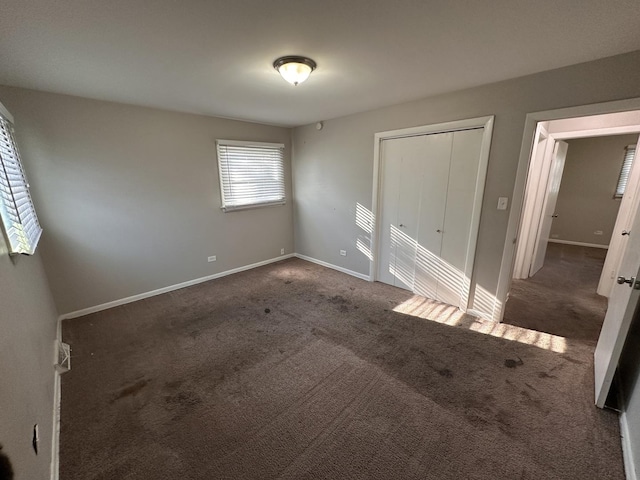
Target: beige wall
[(333, 167), (585, 201), (28, 320), (129, 197)]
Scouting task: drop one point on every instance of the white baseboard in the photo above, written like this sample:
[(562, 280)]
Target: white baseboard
[(170, 288), (580, 244), (627, 450), (334, 267)]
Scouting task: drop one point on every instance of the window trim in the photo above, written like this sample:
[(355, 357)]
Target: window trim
[(8, 203), (617, 195), (241, 143)]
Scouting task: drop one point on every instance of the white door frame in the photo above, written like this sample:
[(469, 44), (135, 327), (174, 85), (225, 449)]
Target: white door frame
[(479, 122), (535, 191), (531, 121), (534, 200)]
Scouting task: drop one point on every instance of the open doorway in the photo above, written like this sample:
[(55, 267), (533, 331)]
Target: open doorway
[(568, 242)]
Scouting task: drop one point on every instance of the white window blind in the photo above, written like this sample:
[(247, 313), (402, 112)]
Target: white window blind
[(629, 154), (16, 208), (251, 174)]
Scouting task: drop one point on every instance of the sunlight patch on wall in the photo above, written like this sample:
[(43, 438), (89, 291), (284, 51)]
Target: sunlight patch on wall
[(366, 222), (364, 218), (363, 247), (486, 304)]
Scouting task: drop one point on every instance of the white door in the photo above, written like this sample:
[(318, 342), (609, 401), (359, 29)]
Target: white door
[(548, 212), (402, 176), (622, 305), (628, 207), (533, 200), (456, 265), (433, 198)]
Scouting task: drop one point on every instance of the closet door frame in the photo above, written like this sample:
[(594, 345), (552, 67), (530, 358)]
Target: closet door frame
[(376, 202)]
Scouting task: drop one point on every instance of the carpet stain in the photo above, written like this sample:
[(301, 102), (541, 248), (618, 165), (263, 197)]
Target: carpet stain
[(572, 360), (172, 385), (531, 401), (445, 372), (130, 390), (339, 299), (545, 375), (267, 310), (287, 282), (511, 363), (183, 398)]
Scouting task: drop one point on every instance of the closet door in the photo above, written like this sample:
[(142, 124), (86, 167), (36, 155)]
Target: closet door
[(433, 193), (402, 179), (429, 202), (454, 266)]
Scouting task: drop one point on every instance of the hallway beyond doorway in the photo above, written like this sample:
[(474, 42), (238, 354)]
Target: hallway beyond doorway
[(561, 298)]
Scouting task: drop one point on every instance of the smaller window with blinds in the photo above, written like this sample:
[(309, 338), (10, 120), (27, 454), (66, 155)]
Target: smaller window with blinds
[(18, 215), (251, 174), (623, 178)]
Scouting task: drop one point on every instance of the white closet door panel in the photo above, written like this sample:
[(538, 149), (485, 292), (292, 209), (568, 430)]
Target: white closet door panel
[(435, 165), (406, 231), (454, 270), (390, 175)]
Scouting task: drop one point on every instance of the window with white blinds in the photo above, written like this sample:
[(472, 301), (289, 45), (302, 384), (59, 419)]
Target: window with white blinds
[(19, 218), (629, 154), (251, 174)]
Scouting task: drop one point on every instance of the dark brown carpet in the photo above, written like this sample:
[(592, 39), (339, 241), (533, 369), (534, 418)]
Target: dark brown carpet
[(561, 298), (294, 371)]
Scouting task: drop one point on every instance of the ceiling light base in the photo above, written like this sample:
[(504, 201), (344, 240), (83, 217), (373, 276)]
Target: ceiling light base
[(294, 69)]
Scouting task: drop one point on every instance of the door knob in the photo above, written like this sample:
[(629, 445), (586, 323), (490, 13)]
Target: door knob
[(631, 281), (626, 232)]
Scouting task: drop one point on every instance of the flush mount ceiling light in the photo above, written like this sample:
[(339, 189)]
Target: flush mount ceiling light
[(294, 69)]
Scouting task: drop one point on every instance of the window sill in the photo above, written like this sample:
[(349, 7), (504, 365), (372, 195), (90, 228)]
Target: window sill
[(228, 209)]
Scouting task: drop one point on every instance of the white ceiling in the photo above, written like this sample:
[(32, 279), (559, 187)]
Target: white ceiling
[(215, 57)]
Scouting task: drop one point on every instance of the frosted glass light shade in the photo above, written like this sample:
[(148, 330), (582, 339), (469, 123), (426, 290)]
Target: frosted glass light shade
[(293, 69)]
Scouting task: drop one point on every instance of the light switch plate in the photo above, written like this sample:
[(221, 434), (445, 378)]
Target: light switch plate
[(503, 202)]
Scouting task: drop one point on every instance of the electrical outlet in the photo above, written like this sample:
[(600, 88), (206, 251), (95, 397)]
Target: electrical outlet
[(343, 253), (598, 232), (212, 258), (282, 251)]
